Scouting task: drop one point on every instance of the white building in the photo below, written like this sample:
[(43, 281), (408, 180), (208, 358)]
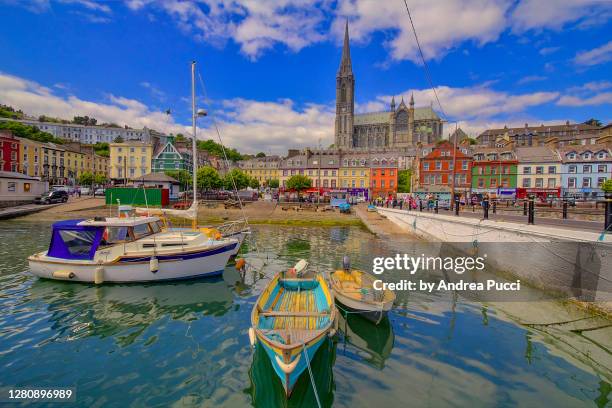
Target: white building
[(87, 134), (17, 188)]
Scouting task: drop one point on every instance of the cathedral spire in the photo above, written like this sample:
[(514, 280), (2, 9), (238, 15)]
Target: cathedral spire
[(393, 104), (412, 99), (345, 63)]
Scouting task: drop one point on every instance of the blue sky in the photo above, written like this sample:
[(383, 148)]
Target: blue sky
[(269, 66)]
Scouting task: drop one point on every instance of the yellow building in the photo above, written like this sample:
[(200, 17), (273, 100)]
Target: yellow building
[(130, 160), (30, 157), (354, 171), (74, 164), (291, 166), (322, 169), (539, 170), (261, 168)]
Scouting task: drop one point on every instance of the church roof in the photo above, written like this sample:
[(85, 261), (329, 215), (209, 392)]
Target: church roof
[(371, 118)]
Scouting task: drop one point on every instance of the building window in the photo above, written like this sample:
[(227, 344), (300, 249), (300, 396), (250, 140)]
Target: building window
[(601, 168), (527, 170), (539, 182), (391, 183), (600, 181), (552, 170), (493, 183), (586, 168), (552, 183), (572, 169), (571, 182), (526, 183), (438, 165), (539, 169), (426, 166), (12, 186), (586, 182), (464, 165), (382, 183)]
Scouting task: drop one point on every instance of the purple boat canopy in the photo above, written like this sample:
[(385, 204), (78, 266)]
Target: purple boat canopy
[(72, 241)]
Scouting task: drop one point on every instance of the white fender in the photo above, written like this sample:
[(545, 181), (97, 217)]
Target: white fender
[(288, 368), (252, 336), (63, 274), (154, 264), (99, 275)]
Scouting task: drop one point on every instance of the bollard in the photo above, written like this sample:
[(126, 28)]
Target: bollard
[(485, 208), (531, 214), (525, 207), (608, 216), (565, 209), (495, 207), (436, 207), (457, 203), (421, 205)]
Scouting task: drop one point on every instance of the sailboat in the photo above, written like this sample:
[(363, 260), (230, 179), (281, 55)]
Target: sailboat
[(134, 248)]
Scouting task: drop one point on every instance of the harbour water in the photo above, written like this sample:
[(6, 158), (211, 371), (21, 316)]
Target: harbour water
[(186, 344)]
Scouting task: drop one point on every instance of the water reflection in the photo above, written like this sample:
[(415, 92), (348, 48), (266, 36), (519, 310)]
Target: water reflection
[(373, 342), (267, 391)]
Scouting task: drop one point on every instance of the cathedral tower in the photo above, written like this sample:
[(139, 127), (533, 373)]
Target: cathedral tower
[(345, 98)]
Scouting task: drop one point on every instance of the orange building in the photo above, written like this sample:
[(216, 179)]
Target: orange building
[(383, 176)]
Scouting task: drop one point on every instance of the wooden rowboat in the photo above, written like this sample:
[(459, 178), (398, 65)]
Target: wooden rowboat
[(355, 290), (291, 319)]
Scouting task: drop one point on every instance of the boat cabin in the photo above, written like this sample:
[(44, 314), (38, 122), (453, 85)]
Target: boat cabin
[(80, 239)]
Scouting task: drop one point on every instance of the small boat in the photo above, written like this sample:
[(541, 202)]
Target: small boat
[(355, 290), (293, 316), (345, 208), (128, 250), (371, 208)]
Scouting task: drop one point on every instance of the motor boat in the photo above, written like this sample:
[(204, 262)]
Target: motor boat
[(129, 249)]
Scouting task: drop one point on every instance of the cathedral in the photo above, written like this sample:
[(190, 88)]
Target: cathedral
[(400, 127)]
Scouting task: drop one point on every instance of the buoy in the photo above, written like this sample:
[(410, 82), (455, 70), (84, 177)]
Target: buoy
[(288, 368), (240, 263), (63, 275), (154, 264), (99, 275), (252, 336)]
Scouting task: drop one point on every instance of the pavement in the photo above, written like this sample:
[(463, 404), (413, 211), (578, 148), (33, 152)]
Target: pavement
[(73, 204)]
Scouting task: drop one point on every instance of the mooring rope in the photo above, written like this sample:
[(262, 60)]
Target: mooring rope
[(314, 386)]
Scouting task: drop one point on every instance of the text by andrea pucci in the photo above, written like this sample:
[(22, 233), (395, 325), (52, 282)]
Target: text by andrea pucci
[(459, 266)]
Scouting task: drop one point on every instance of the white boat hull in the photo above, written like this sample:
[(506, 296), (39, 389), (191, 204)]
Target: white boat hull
[(170, 267), (240, 236), (372, 311)]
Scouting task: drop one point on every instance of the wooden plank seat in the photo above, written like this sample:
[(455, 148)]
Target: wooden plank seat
[(289, 313)]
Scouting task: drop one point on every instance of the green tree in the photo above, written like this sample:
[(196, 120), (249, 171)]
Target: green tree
[(86, 178), (102, 149), (180, 137), (593, 122), (274, 183), (237, 176), (253, 183), (29, 132), (208, 178), (607, 186), (100, 179), (403, 181), (182, 176), (260, 154), (215, 149), (118, 139), (299, 182), (7, 111)]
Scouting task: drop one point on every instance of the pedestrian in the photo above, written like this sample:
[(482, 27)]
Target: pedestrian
[(401, 204)]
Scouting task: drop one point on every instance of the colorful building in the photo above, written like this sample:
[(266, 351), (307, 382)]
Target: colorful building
[(9, 151), (130, 160), (354, 171), (173, 155), (53, 163), (263, 169), (322, 169), (30, 153), (436, 169), (383, 175), (539, 172), (292, 166), (584, 170), (494, 172)]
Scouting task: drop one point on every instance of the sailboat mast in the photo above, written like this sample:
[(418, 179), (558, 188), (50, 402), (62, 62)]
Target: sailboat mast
[(194, 151)]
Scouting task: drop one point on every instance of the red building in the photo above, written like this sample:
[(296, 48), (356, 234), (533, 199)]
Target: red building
[(9, 151), (436, 169), (383, 176)]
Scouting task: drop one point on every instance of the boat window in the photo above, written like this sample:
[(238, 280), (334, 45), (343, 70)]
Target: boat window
[(116, 234), (79, 243), (155, 227), (141, 230)]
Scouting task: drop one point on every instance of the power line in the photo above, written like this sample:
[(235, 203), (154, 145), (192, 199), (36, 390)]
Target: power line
[(427, 73)]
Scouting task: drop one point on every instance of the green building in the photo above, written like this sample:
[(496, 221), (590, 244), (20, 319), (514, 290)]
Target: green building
[(174, 155), (494, 172)]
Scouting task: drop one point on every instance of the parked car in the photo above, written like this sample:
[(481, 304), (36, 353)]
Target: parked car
[(51, 197), (246, 195), (85, 191), (100, 192)]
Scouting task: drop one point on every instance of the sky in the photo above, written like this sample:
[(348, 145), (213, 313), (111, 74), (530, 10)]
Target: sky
[(266, 68)]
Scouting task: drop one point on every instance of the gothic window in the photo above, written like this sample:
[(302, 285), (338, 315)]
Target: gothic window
[(401, 121), (343, 93)]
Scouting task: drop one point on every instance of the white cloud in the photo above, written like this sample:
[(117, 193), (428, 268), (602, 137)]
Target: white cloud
[(531, 78), (589, 94), (595, 56), (549, 50), (247, 125), (475, 102), (155, 91), (538, 14), (90, 4), (441, 25)]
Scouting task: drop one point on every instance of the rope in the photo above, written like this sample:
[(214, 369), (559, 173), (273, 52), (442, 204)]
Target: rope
[(312, 381)]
